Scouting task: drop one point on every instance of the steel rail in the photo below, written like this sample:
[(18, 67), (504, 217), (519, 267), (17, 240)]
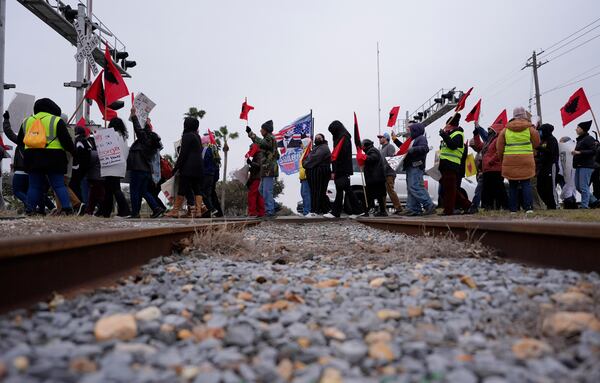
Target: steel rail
[(562, 245), (33, 267)]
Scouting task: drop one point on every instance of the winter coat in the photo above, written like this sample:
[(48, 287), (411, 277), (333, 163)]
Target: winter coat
[(190, 162), (453, 143), (268, 146), (417, 154), (517, 166), (83, 150), (546, 155), (93, 170), (48, 160), (374, 166), (143, 149), (319, 156), (388, 150), (208, 161), (18, 158), (490, 161), (118, 170), (342, 166), (587, 146), (255, 165)]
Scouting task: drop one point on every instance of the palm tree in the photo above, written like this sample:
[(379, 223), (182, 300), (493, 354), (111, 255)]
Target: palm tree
[(194, 112), (223, 134)]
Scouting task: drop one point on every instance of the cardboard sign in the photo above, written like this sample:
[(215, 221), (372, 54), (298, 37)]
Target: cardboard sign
[(109, 147), (144, 106), (19, 108)]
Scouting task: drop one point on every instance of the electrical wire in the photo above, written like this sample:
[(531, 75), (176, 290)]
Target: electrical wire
[(503, 89), (569, 84), (572, 49), (572, 34), (569, 42)]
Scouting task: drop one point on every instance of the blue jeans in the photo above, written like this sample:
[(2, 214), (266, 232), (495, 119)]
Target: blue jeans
[(582, 184), (305, 193), (266, 191), (20, 183), (37, 188), (417, 197), (513, 195), (138, 188), (477, 196)]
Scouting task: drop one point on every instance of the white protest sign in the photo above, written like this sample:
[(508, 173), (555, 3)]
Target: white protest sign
[(144, 106), (19, 108), (109, 148), (85, 46)]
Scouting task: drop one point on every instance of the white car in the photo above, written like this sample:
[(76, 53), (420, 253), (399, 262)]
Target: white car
[(468, 186)]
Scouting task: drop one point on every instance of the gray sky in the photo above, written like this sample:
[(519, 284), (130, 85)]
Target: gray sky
[(289, 57)]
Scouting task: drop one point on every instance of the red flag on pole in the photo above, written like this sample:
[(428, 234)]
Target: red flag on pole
[(245, 110), (81, 122), (96, 92), (307, 150), (393, 116), (211, 137), (474, 113), (254, 148), (114, 84), (502, 119), (463, 100), (337, 149), (361, 157), (404, 147), (576, 106)]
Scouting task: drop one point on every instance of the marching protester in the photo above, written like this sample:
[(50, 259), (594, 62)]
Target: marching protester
[(113, 174), (256, 203), (584, 163), (341, 171), (546, 159), (493, 193), (515, 149), (269, 169), (318, 173), (217, 210), (96, 189), (139, 166), (304, 185), (418, 201), (388, 150), (154, 186), (451, 166), (81, 162), (190, 168), (374, 171), (45, 138), (209, 173)]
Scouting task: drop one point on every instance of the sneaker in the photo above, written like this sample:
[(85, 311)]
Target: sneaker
[(354, 216), (595, 204), (413, 214), (81, 209), (380, 214), (329, 215), (429, 211), (529, 212), (311, 215), (158, 213), (398, 212), (133, 216)]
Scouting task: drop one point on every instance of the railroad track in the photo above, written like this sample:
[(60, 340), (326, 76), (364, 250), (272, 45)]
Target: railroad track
[(564, 245), (33, 267)]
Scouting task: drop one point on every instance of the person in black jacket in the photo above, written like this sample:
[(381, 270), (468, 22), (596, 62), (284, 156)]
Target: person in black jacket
[(139, 166), (584, 164), (375, 178), (546, 159), (318, 173), (342, 170), (48, 163), (190, 166), (81, 161)]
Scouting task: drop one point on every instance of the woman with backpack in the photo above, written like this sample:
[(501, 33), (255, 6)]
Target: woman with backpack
[(114, 174)]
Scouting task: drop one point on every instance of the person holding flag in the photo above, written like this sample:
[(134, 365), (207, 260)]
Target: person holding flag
[(341, 163), (418, 201), (388, 150), (269, 169), (584, 164), (256, 203), (318, 173), (493, 193)]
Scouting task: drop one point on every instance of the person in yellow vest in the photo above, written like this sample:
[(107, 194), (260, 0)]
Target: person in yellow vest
[(451, 166), (515, 149), (304, 186), (47, 161)]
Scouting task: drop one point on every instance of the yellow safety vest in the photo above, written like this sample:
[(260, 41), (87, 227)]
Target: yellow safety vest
[(518, 142), (50, 123), (452, 155), (302, 170)]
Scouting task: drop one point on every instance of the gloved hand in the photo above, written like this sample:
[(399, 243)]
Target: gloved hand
[(6, 116), (6, 122), (443, 133), (249, 161), (248, 130)]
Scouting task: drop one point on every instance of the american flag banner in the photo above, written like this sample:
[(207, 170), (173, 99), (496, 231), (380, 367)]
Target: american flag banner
[(289, 142)]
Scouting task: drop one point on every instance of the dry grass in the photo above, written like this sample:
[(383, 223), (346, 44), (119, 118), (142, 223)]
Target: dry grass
[(581, 215)]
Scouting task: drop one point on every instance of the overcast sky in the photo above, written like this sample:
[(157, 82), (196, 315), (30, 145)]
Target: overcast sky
[(289, 57)]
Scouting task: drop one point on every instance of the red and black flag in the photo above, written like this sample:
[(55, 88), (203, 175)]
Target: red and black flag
[(114, 84), (360, 155), (463, 100), (502, 119), (96, 92), (211, 137), (474, 113), (245, 110), (393, 116), (576, 106), (337, 149)]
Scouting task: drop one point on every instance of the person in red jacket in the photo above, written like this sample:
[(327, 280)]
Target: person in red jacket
[(493, 195)]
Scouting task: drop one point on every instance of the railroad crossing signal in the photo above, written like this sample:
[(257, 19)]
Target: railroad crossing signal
[(86, 43)]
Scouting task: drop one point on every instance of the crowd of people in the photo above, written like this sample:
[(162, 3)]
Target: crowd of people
[(525, 156)]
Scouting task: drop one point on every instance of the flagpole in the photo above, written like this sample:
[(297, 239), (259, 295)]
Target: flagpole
[(378, 91), (76, 110), (594, 118), (362, 175)]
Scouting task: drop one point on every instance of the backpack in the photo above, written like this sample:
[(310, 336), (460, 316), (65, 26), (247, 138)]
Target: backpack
[(35, 137), (166, 170)]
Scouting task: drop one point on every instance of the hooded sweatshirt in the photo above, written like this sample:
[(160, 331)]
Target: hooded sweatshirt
[(517, 166), (546, 155), (417, 154), (190, 162), (143, 149), (374, 165), (342, 166), (489, 152), (48, 160)]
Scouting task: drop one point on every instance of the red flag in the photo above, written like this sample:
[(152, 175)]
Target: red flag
[(502, 119), (463, 100), (114, 84), (306, 151), (337, 149), (576, 106), (245, 110), (132, 98), (254, 148), (96, 92), (211, 137), (474, 113), (81, 122), (361, 157), (393, 116), (404, 147)]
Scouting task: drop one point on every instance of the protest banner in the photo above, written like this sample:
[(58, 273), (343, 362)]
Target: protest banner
[(289, 143), (19, 108), (109, 147), (144, 106)]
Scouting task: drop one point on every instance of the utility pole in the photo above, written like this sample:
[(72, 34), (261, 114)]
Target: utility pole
[(79, 92), (378, 92), (88, 77), (533, 63)]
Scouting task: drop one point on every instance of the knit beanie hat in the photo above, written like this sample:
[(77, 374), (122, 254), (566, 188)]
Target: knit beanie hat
[(520, 112), (268, 126), (585, 125), (454, 120)]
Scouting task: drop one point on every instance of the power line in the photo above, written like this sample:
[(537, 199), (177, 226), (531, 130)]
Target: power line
[(570, 83), (503, 89), (572, 34), (572, 49), (570, 42)]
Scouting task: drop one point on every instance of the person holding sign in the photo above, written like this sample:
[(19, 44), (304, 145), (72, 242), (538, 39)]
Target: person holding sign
[(115, 172)]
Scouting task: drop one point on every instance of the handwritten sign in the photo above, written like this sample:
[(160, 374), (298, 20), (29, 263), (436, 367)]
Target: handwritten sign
[(109, 147), (144, 106)]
